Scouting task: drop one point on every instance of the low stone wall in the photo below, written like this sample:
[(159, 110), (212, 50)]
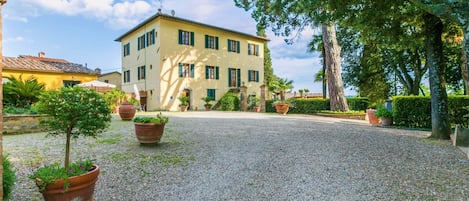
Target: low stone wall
[(343, 116), (22, 123)]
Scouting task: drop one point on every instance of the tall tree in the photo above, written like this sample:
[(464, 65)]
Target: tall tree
[(288, 18), (268, 70), (316, 44)]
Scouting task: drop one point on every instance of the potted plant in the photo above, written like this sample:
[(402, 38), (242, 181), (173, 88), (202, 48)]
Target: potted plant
[(149, 130), (184, 103), (372, 118), (385, 115), (72, 112), (280, 85), (207, 101), (127, 111), (254, 103)]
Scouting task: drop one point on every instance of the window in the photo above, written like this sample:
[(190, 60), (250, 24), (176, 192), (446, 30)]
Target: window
[(141, 73), (234, 77), (253, 76), (253, 49), (107, 81), (233, 46), (186, 38), (127, 49), (141, 42), (186, 70), (70, 83), (211, 72), (211, 42), (151, 37), (127, 76), (211, 93)]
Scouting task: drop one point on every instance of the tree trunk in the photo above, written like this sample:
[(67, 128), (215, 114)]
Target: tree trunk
[(464, 60), (439, 99), (324, 80), (334, 69)]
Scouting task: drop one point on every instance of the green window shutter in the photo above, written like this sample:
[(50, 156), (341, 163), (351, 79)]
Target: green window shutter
[(229, 77), (216, 73), (180, 70), (138, 73), (216, 43), (192, 38), (192, 70), (249, 49), (144, 72), (180, 36), (249, 75), (257, 50), (206, 41), (257, 76), (206, 72), (229, 45), (144, 40), (138, 44), (239, 77), (209, 92), (239, 46)]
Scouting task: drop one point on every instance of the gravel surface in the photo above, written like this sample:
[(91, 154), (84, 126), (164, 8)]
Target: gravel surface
[(253, 156)]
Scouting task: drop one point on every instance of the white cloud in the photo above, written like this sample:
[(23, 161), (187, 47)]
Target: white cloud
[(12, 40)]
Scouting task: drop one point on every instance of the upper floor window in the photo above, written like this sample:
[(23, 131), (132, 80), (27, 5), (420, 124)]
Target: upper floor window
[(253, 49), (141, 42), (186, 70), (186, 37), (234, 77), (212, 72), (253, 76), (127, 76), (126, 49), (211, 42), (233, 46), (141, 73), (151, 35)]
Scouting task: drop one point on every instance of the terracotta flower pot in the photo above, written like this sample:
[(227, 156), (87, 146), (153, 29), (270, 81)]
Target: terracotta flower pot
[(282, 108), (127, 111), (372, 119), (256, 109), (149, 133), (81, 188), (386, 121), (184, 108)]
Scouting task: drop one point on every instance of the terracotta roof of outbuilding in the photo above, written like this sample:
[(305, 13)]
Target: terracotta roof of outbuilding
[(22, 63), (45, 59), (72, 67)]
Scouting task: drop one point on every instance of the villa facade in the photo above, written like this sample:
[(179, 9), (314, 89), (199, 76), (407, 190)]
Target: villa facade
[(166, 57)]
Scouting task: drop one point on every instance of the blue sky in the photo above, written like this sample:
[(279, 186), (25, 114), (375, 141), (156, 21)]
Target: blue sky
[(83, 31)]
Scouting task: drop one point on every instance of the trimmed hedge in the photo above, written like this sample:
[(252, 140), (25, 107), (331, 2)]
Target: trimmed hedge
[(230, 102), (415, 111), (314, 105)]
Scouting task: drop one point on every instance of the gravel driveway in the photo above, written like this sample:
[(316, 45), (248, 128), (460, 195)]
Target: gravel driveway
[(253, 156)]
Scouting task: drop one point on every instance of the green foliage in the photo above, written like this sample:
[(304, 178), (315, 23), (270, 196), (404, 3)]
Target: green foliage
[(21, 93), (113, 97), (45, 175), (281, 86), (184, 101), (268, 70), (9, 178), (382, 111), (315, 105), (18, 110), (358, 103), (74, 111), (207, 101), (159, 119), (412, 111), (253, 101), (230, 102)]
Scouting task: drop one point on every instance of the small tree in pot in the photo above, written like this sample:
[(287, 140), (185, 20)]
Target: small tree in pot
[(280, 86), (72, 112), (207, 101), (385, 115), (184, 103)]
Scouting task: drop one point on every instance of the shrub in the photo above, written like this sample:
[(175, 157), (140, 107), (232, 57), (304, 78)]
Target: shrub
[(18, 110), (230, 102), (21, 93), (358, 103), (314, 105), (382, 111), (9, 178)]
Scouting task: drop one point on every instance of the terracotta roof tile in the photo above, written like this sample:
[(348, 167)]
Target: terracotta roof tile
[(45, 59), (13, 63), (72, 67)]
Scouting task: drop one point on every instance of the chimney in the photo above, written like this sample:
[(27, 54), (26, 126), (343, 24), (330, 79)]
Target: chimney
[(97, 71), (41, 54), (159, 10)]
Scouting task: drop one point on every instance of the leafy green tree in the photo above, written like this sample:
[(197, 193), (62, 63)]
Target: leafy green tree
[(287, 17), (281, 85), (74, 111), (21, 93)]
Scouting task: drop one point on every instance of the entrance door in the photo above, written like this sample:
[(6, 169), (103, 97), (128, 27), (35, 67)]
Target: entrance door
[(187, 92)]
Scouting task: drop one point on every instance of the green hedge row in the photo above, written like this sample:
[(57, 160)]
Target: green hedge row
[(314, 105), (415, 111)]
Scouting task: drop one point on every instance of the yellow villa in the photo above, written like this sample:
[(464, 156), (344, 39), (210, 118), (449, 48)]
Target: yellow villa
[(166, 57), (54, 73)]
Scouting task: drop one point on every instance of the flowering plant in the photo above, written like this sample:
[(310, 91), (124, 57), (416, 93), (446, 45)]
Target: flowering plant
[(159, 119), (47, 174)]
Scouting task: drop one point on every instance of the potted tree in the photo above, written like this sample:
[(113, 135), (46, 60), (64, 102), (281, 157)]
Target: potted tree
[(72, 112), (184, 105), (254, 103), (149, 130), (385, 115), (207, 101), (280, 85)]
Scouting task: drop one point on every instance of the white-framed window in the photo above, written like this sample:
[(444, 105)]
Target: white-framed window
[(141, 42), (186, 70), (253, 76), (126, 76), (211, 42), (126, 48), (233, 46), (141, 73), (186, 37), (253, 49), (212, 72)]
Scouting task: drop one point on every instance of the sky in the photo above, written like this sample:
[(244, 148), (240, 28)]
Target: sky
[(83, 32)]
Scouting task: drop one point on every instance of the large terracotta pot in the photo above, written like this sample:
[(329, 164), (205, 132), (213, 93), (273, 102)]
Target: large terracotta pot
[(149, 133), (282, 108), (127, 111), (372, 119), (256, 109), (81, 188), (386, 121), (183, 108)]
